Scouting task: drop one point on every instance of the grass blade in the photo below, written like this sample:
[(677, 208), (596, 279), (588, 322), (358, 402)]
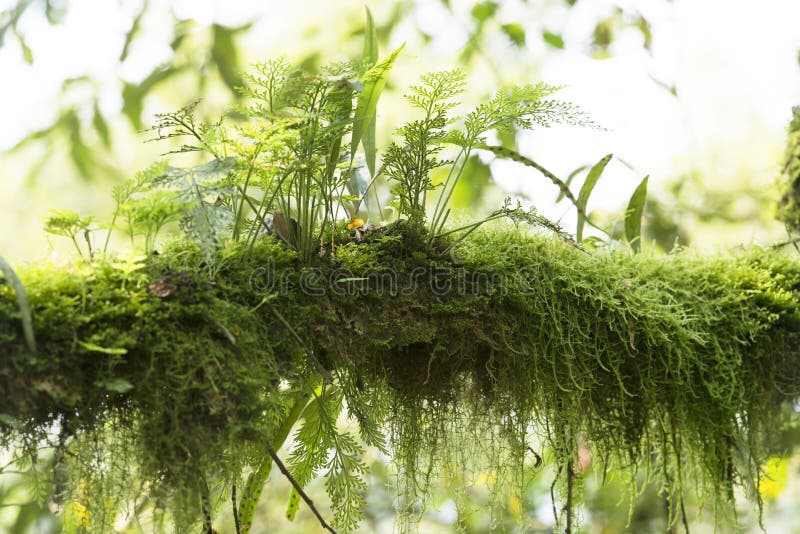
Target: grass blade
[(22, 302), (364, 123), (586, 191), (633, 216)]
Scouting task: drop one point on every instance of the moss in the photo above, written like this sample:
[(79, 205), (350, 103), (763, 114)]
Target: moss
[(789, 181), (512, 334)]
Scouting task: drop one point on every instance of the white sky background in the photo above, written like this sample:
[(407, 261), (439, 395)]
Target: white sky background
[(734, 63)]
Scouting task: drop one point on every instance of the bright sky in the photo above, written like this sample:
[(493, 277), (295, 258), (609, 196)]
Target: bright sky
[(735, 65)]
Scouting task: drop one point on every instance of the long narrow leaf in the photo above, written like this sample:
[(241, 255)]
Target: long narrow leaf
[(586, 191), (633, 216), (364, 123), (22, 302), (370, 54), (568, 181)]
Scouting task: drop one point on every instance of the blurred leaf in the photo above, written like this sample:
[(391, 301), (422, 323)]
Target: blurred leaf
[(586, 191), (604, 33), (374, 80), (100, 125), (27, 55), (91, 347), (75, 80), (370, 54), (775, 478), (55, 10), (132, 32), (37, 135), (476, 178), (117, 385), (180, 31), (10, 420), (80, 154), (553, 39), (22, 301), (515, 32), (482, 11), (672, 88), (310, 63), (507, 138), (633, 216), (225, 55), (643, 25), (133, 94)]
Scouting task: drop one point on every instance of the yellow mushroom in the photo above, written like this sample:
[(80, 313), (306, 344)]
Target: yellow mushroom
[(355, 223)]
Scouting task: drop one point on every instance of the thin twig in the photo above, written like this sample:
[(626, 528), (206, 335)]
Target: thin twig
[(299, 489), (235, 509), (205, 506), (569, 505)]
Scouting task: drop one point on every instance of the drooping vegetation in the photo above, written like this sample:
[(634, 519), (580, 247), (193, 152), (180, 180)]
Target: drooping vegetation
[(166, 383)]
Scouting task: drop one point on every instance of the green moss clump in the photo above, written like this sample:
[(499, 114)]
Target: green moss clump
[(182, 377), (789, 207)]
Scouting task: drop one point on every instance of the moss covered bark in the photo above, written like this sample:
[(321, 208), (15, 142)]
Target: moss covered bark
[(677, 363)]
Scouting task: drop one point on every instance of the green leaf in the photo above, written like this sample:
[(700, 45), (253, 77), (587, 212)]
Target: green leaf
[(91, 347), (586, 191), (132, 32), (10, 420), (643, 25), (553, 39), (294, 505), (370, 54), (80, 153), (476, 178), (22, 301), (101, 126), (27, 55), (515, 32), (55, 11), (482, 11), (117, 385), (633, 216), (133, 94), (364, 122), (568, 181), (225, 55)]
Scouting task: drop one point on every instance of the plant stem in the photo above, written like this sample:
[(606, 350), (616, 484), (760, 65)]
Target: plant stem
[(255, 482), (300, 491)]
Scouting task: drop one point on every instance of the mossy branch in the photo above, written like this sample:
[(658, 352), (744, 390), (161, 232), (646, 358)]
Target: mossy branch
[(687, 358)]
